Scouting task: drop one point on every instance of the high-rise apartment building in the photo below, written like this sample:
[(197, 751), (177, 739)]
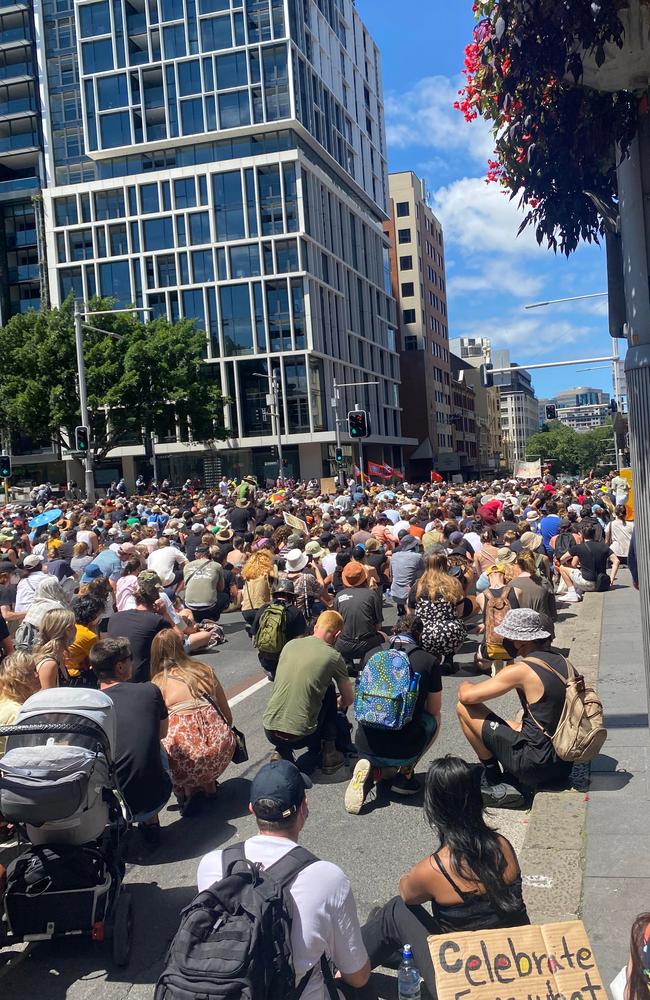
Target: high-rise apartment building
[(582, 408), (519, 409), (467, 355), (420, 288), (224, 160)]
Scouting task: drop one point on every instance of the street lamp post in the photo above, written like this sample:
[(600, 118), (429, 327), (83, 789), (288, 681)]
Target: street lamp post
[(273, 403), (79, 323)]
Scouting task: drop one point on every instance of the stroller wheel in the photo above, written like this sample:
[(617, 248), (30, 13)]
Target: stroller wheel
[(123, 929)]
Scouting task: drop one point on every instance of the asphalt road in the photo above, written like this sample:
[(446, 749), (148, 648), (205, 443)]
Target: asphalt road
[(374, 849)]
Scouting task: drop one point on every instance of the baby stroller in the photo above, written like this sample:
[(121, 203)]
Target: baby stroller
[(58, 787)]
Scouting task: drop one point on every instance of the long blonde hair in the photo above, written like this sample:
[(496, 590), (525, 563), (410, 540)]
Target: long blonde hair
[(169, 659), (258, 565), (52, 634), (434, 584), (18, 678)]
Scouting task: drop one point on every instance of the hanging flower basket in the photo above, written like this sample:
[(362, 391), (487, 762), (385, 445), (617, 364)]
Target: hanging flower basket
[(555, 137)]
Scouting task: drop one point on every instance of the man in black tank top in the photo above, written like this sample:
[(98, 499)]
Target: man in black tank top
[(518, 752)]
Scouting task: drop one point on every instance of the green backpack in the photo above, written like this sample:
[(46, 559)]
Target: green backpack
[(271, 633)]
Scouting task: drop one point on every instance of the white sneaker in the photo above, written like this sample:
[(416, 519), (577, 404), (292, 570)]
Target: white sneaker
[(571, 597), (359, 788)]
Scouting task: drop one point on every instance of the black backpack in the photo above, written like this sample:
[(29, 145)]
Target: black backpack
[(563, 543), (234, 939)]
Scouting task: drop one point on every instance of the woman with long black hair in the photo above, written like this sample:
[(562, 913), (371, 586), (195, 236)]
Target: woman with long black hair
[(472, 882)]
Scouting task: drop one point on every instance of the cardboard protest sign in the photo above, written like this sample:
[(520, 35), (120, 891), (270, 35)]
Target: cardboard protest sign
[(546, 962), (328, 485), (528, 470), (295, 523)]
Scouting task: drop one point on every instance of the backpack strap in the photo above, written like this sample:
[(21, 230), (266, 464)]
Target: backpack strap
[(285, 870), (230, 856), (571, 672)]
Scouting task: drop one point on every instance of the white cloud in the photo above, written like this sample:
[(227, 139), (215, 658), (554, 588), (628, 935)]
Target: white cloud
[(528, 339), (498, 276), (480, 218), (425, 117)]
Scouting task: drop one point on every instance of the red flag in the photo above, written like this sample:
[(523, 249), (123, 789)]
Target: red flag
[(397, 474), (436, 477), (375, 469)]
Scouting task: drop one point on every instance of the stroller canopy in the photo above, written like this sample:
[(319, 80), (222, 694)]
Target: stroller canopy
[(83, 703)]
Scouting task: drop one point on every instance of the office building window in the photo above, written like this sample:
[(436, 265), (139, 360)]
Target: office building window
[(402, 209), (185, 193), (174, 41), (94, 19), (232, 71), (403, 235), (406, 263), (408, 289), (112, 91), (245, 261), (149, 199), (109, 205), (202, 266), (270, 194), (115, 281), (277, 306), (166, 270), (216, 33), (409, 316), (199, 228), (229, 206), (236, 319), (115, 129), (234, 109), (158, 233), (286, 255), (189, 78), (65, 211), (97, 56), (192, 116)]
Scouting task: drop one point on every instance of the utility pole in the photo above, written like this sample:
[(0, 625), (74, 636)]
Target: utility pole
[(89, 475), (357, 407), (340, 472), (273, 403)]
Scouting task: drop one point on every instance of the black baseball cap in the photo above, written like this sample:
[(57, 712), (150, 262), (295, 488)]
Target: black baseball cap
[(281, 783)]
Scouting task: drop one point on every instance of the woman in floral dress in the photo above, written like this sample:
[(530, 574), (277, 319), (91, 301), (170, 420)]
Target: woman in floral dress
[(200, 743)]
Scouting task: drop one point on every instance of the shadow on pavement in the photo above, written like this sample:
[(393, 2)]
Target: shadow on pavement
[(52, 967)]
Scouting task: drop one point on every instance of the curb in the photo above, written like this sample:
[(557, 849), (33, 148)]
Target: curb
[(553, 857)]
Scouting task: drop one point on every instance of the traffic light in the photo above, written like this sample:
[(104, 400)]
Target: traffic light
[(81, 439), (551, 411), (5, 466), (487, 378), (613, 407), (339, 456), (358, 424)]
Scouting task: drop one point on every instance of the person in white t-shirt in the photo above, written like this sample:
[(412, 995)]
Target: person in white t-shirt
[(167, 562), (327, 922)]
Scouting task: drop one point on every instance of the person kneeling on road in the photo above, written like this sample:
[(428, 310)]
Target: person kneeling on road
[(325, 930), (391, 754), (302, 708), (360, 608), (521, 750), (276, 624)]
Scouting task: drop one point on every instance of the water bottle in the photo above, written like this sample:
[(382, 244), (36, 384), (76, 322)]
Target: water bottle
[(408, 977)]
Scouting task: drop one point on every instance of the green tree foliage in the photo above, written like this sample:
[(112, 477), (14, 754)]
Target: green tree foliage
[(135, 378), (571, 453)]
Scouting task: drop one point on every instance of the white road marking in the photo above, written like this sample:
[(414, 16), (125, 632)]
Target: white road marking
[(253, 689)]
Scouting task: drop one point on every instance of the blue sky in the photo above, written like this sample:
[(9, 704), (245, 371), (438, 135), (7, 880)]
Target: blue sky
[(491, 274)]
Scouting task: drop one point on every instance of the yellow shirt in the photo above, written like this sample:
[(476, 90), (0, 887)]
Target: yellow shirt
[(8, 712), (77, 653)]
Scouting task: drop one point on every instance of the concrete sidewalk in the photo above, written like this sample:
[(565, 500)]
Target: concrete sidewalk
[(617, 874)]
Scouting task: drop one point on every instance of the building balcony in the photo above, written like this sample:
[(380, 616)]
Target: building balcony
[(14, 36), (17, 71), (11, 185), (24, 272), (18, 143), (23, 238), (18, 106)]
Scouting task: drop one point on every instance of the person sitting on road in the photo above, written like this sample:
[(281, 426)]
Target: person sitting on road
[(205, 592), (325, 914), (301, 711), (520, 751), (258, 576), (295, 626), (588, 570), (532, 590), (142, 722), (360, 608), (439, 602), (200, 742), (391, 755), (406, 566), (472, 882), (618, 536)]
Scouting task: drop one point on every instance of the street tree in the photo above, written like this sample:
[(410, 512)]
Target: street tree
[(571, 452), (146, 377)]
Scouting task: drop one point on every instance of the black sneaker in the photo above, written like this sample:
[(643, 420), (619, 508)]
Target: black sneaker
[(402, 785), (501, 796)]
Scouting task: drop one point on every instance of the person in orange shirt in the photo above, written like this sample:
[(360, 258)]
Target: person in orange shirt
[(88, 611)]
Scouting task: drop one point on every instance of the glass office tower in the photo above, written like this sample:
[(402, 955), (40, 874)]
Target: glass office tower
[(224, 160)]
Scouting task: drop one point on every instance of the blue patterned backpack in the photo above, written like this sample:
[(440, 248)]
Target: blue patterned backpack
[(387, 691)]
